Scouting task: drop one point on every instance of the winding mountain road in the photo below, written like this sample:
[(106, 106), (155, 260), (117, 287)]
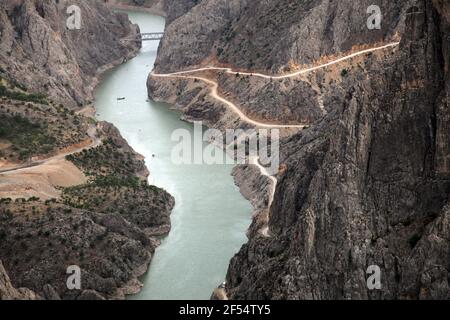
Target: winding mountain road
[(187, 74), (214, 85), (255, 161), (285, 76), (214, 93)]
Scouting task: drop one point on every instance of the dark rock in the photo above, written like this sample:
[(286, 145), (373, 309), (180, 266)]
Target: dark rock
[(8, 292), (50, 293), (366, 186)]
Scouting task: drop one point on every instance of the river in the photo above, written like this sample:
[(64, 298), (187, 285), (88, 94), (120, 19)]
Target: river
[(210, 218)]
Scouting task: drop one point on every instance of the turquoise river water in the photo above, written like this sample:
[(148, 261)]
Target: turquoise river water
[(210, 217)]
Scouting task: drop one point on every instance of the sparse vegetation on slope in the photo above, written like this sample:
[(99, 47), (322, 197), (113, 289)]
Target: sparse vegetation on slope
[(107, 160), (29, 126), (21, 96), (27, 138)]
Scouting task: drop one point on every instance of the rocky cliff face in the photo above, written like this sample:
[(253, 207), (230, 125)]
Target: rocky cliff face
[(176, 8), (171, 9), (268, 35), (368, 182), (38, 50), (365, 186)]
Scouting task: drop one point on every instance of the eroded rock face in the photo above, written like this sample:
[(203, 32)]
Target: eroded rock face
[(176, 8), (365, 187), (368, 182), (38, 50), (287, 101), (267, 35), (171, 9)]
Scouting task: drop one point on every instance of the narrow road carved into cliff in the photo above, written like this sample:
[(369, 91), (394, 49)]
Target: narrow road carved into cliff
[(214, 85), (285, 76), (187, 74), (232, 106), (265, 172), (264, 231)]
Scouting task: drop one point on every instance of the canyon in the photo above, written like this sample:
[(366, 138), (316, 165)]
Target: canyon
[(364, 178)]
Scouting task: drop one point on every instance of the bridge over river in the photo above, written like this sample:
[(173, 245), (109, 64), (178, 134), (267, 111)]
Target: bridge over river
[(149, 36)]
